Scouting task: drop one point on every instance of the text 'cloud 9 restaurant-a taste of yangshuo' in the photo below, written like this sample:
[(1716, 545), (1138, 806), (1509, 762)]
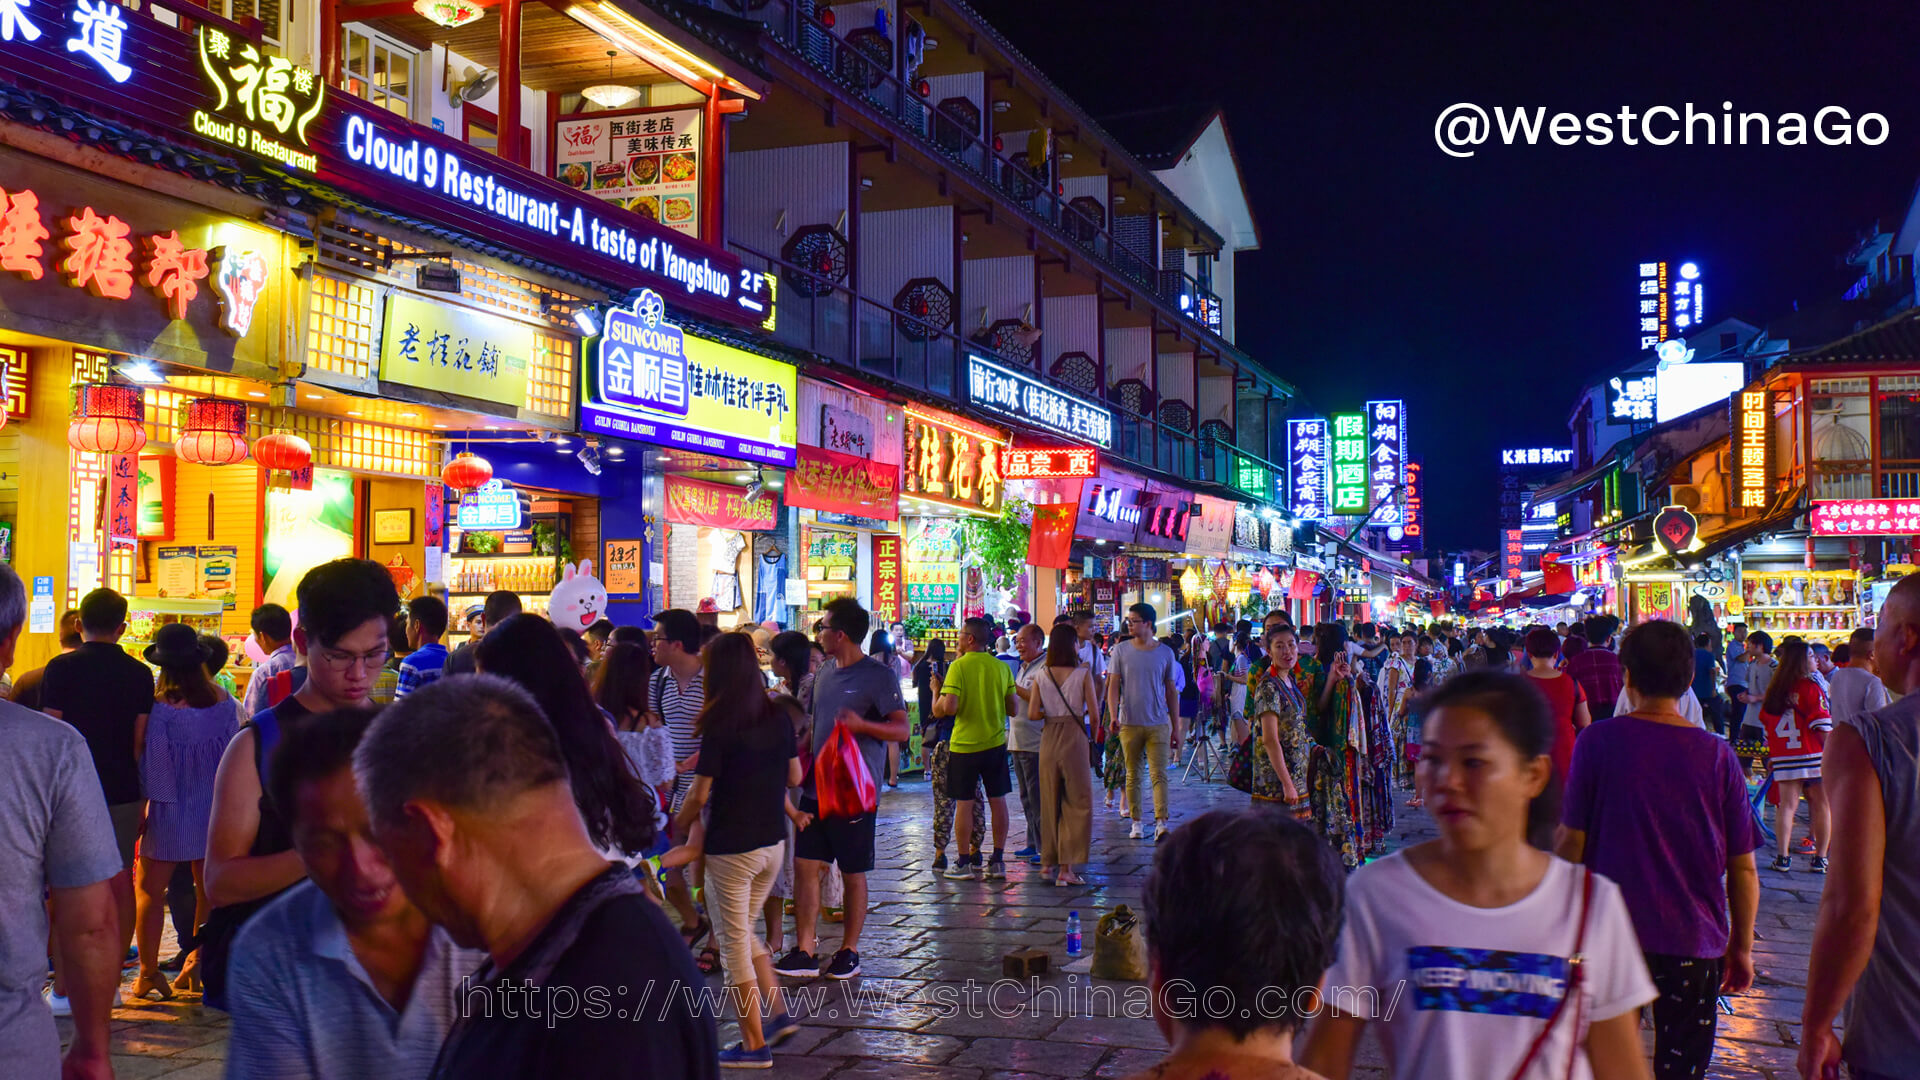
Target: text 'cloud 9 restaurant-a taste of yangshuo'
[(275, 290)]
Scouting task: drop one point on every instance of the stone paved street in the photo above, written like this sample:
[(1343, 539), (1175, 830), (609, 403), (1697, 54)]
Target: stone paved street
[(928, 936)]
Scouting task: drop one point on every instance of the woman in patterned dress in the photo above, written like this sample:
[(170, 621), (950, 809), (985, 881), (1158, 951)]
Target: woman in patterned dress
[(1281, 747), (1329, 685), (1396, 690)]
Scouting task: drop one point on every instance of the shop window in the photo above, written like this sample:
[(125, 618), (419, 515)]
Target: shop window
[(380, 69), (1900, 426), (1842, 428), (340, 326), (550, 376)]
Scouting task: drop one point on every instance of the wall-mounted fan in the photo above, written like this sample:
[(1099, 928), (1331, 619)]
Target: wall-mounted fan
[(473, 84)]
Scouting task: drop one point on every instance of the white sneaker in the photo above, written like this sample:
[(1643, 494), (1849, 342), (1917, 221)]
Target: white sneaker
[(1134, 833), (1160, 831), (58, 1003)]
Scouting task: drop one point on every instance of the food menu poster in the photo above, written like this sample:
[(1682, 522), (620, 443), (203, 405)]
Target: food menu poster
[(648, 162)]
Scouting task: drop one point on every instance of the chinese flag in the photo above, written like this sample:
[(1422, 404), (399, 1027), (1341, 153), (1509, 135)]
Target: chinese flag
[(1051, 542), (1439, 608), (1557, 578)]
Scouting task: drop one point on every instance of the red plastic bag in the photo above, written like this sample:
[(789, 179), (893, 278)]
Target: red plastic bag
[(842, 780)]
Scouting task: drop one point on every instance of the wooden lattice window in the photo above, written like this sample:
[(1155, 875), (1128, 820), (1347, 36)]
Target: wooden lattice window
[(928, 303), (1086, 220), (956, 124), (1176, 414), (866, 58), (550, 376), (1133, 396), (1077, 371), (340, 326), (354, 445), (1215, 433), (817, 260), (1012, 339), (163, 413)]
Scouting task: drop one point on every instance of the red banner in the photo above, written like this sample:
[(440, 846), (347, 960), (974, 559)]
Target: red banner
[(696, 502), (1439, 609), (123, 502), (887, 582), (843, 484), (1050, 544)]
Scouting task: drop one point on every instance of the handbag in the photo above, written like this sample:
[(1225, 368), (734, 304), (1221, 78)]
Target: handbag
[(1240, 765), (842, 782), (1576, 969)]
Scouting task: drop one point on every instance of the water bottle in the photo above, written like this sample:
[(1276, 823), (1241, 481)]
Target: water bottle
[(1073, 933)]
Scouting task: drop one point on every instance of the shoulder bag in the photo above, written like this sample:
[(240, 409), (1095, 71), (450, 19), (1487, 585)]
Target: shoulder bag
[(1576, 989)]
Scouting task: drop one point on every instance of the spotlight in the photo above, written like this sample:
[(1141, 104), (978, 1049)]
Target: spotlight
[(590, 459), (585, 320), (754, 489)]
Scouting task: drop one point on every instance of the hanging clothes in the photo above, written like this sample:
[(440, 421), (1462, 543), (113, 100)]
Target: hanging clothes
[(769, 580)]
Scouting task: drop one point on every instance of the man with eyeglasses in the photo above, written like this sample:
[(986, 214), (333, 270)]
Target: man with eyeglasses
[(346, 607), (1143, 692)]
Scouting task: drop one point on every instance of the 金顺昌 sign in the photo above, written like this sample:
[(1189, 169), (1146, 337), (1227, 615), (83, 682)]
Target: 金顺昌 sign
[(1536, 456), (1866, 517), (1752, 440), (456, 350), (1307, 468), (651, 382), (954, 461), (1032, 402), (1030, 463), (1386, 456), (491, 507), (1347, 464)]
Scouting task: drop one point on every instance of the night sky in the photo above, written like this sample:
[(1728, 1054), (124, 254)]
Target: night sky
[(1488, 291)]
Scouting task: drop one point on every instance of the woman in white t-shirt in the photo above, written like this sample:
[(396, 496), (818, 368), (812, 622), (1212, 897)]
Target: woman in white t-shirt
[(1460, 947)]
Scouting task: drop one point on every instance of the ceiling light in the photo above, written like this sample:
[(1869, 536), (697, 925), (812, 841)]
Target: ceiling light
[(493, 427), (142, 371), (609, 94), (408, 415), (615, 451), (744, 477), (353, 414), (313, 397), (256, 393), (451, 14), (441, 426)]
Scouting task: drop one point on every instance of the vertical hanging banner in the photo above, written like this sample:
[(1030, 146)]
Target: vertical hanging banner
[(1347, 480), (123, 502), (1307, 468), (1386, 461), (887, 578), (1412, 528)]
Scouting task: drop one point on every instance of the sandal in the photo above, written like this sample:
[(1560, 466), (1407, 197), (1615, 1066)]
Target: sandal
[(152, 986), (1069, 879), (698, 932), (708, 960)]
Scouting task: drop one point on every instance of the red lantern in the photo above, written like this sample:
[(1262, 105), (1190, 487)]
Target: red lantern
[(108, 420), (283, 451), (466, 471), (212, 432)]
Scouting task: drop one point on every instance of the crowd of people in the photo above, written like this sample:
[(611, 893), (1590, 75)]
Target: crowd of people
[(391, 859)]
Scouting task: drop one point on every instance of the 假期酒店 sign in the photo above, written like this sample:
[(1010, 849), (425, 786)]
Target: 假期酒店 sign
[(214, 87)]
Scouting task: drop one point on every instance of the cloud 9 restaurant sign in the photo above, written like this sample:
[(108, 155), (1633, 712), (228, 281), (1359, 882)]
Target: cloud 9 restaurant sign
[(649, 381), (218, 88), (1036, 404)]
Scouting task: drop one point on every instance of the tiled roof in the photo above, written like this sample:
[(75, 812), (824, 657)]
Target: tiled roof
[(737, 38), (1895, 341), (1160, 135)]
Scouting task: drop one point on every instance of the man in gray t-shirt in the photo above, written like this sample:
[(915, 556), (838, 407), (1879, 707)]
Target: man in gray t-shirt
[(55, 836), (1143, 691)]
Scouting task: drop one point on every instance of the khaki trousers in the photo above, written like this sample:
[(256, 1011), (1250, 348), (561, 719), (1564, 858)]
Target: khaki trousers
[(1147, 746), (737, 888), (1066, 794)]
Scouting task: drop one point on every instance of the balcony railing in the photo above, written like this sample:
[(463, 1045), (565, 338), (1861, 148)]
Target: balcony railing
[(864, 334), (870, 77)]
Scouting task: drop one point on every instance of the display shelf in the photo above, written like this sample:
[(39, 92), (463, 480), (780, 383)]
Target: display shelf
[(500, 558), (1801, 607), (176, 605), (484, 595)]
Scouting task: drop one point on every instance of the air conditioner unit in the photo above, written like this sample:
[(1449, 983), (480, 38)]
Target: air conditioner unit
[(1687, 495)]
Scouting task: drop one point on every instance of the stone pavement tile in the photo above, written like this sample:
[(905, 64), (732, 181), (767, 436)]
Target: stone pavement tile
[(939, 948), (787, 1067), (162, 1040), (211, 1051), (955, 970), (896, 1070), (136, 1067), (1042, 1056), (1749, 1029), (1766, 1007), (199, 1070), (965, 920), (894, 1045), (1124, 1063), (1110, 1031), (1021, 1075), (1733, 1055), (1023, 1025)]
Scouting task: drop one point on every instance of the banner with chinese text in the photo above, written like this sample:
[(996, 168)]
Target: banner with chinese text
[(887, 578), (697, 502), (843, 484)]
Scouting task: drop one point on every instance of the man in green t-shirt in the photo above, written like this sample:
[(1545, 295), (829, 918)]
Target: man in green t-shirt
[(979, 694)]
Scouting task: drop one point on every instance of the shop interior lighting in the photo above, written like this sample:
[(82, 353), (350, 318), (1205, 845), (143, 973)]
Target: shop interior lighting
[(630, 35), (610, 94), (142, 371), (588, 321), (615, 451)]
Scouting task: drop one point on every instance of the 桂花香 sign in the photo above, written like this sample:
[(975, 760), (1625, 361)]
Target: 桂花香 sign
[(1307, 468), (456, 350), (1347, 464), (1037, 404), (1386, 458), (953, 461), (652, 382)]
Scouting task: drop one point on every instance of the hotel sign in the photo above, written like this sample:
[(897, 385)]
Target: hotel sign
[(1348, 466), (1037, 404), (1752, 445)]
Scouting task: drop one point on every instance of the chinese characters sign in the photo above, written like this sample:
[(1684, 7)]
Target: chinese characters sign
[(1386, 456), (1511, 555), (1037, 404), (123, 502), (1668, 302), (621, 568), (646, 162), (651, 382), (887, 580), (1752, 440), (1307, 468), (1632, 399), (1210, 529), (1031, 463), (1412, 527), (491, 507), (1866, 517), (1347, 464), (697, 502), (262, 104), (456, 350), (1537, 456), (844, 484), (954, 461)]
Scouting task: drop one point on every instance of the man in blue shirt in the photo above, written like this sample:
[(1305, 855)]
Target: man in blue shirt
[(426, 622), (273, 631)]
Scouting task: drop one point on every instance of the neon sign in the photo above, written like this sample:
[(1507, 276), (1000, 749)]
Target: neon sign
[(1349, 464), (1029, 463), (1751, 443), (1307, 468), (261, 97), (1033, 402), (1542, 456), (1386, 457)]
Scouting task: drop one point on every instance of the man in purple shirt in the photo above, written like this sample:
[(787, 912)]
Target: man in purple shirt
[(1597, 668), (1659, 806)]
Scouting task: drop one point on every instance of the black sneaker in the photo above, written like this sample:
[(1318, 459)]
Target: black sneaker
[(1819, 864), (846, 964), (1782, 863), (799, 964), (939, 862), (996, 868)]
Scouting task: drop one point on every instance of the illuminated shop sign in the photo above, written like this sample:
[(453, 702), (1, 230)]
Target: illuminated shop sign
[(652, 382), (1031, 463), (1036, 404), (1632, 399), (1413, 526), (1511, 553), (1751, 445), (1669, 302), (491, 507), (1386, 458), (1348, 464), (954, 461), (1307, 468), (1536, 456), (231, 93), (1866, 517)]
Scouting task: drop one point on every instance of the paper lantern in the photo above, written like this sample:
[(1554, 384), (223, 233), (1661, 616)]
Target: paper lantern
[(1268, 582), (1189, 583), (1238, 588), (283, 451), (451, 14), (108, 420), (212, 432), (466, 471)]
